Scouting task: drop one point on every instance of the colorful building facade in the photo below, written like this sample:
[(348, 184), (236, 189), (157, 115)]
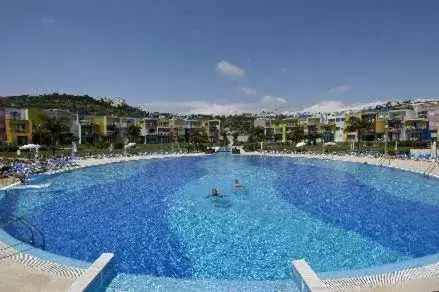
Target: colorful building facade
[(15, 126)]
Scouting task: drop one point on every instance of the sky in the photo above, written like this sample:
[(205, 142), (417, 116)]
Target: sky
[(222, 56)]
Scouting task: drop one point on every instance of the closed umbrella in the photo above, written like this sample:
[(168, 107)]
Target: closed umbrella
[(74, 148), (129, 145), (29, 146), (330, 144)]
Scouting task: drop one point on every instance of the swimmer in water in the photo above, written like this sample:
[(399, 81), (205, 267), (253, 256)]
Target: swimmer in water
[(238, 185), (215, 192)]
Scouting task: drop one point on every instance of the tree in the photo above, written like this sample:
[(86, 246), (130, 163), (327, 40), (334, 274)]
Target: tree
[(198, 137), (235, 137), (72, 103), (257, 135), (359, 126), (225, 139), (296, 134), (312, 134), (133, 132), (54, 128)]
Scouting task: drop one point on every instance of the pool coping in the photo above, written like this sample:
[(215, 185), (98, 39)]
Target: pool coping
[(94, 275)]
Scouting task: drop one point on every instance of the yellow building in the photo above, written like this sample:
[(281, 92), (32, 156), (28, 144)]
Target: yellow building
[(15, 126), (18, 131), (275, 131)]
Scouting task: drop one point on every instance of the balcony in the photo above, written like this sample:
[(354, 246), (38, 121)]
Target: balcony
[(292, 125), (150, 132), (20, 128)]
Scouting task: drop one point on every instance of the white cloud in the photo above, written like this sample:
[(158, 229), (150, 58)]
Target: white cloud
[(329, 106), (267, 103), (226, 68), (247, 90), (47, 20), (340, 88), (199, 107), (273, 100)]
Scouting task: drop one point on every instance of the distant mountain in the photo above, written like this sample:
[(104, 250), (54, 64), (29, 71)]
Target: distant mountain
[(74, 103)]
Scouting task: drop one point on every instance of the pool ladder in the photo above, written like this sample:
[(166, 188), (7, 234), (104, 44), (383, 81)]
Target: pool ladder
[(34, 231), (430, 168)]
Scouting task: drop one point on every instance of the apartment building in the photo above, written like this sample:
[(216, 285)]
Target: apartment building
[(149, 130), (340, 126), (169, 130), (177, 129), (15, 126), (163, 130)]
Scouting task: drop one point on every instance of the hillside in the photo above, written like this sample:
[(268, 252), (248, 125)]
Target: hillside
[(74, 103)]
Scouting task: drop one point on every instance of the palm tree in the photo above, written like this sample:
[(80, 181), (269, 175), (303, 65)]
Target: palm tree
[(235, 137), (359, 126), (257, 135), (198, 137), (296, 134), (225, 139), (133, 131), (53, 128)]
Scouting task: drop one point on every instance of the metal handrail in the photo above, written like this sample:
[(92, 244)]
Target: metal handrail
[(30, 227), (430, 169)]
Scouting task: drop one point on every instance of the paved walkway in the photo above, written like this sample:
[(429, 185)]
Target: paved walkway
[(18, 277)]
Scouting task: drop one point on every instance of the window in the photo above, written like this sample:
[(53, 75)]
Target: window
[(19, 128)]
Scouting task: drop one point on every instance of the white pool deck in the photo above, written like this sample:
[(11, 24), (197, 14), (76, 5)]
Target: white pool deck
[(20, 271)]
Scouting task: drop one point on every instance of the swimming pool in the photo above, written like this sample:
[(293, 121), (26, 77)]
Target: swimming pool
[(158, 220)]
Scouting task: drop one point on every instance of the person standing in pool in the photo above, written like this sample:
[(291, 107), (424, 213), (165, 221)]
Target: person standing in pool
[(215, 192), (238, 185)]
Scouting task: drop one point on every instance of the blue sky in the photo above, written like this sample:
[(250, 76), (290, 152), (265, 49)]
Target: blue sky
[(228, 55)]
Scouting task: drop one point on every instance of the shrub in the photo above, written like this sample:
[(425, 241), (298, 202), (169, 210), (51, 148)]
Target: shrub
[(8, 148), (102, 145), (236, 151), (118, 145)]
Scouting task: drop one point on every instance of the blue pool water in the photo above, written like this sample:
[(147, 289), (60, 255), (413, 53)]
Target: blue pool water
[(156, 218)]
